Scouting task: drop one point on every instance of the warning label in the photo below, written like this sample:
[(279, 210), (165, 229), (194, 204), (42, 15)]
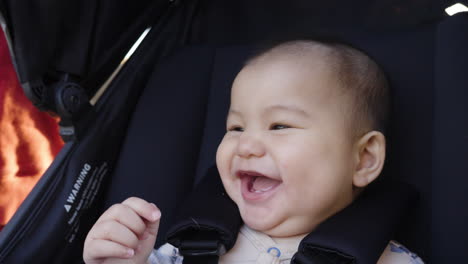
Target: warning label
[(83, 194), (76, 187)]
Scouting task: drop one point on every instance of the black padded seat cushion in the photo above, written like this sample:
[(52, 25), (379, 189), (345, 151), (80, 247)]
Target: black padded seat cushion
[(170, 137), (410, 134), (160, 153), (180, 121)]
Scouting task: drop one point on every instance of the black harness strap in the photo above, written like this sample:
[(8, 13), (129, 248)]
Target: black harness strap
[(317, 255), (201, 259), (360, 232), (207, 224)]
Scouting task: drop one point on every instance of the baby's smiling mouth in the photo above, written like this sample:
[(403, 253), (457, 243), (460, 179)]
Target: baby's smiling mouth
[(256, 186)]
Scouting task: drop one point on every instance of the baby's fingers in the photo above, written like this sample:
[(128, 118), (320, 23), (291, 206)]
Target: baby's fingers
[(114, 231), (126, 216), (97, 249), (144, 209)]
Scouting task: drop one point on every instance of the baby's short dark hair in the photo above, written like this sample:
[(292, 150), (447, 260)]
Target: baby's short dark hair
[(360, 77)]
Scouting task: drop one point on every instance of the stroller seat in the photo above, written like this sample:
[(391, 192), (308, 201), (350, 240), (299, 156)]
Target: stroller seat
[(197, 84), (170, 141)]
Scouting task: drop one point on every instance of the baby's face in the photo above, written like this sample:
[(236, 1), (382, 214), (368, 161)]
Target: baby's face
[(287, 157)]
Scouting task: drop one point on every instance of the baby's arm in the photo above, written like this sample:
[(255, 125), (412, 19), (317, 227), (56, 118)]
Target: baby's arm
[(125, 233)]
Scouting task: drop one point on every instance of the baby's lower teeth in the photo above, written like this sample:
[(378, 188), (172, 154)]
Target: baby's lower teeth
[(263, 190)]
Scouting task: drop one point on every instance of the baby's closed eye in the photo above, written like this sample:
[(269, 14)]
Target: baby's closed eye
[(235, 128), (279, 126)]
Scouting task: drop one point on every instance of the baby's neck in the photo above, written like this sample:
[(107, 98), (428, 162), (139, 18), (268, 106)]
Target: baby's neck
[(289, 239)]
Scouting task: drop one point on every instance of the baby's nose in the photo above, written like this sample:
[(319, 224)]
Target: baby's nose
[(250, 145)]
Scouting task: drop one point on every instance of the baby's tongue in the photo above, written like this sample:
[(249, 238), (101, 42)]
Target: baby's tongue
[(263, 184)]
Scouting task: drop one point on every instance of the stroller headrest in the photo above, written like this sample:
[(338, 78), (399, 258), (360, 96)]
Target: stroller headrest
[(424, 67)]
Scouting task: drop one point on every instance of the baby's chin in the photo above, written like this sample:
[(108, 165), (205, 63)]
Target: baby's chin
[(260, 220), (271, 225), (278, 226)]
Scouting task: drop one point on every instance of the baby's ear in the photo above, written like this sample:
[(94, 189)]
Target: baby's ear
[(370, 158)]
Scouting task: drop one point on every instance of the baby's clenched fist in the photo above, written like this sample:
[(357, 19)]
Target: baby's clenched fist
[(125, 233)]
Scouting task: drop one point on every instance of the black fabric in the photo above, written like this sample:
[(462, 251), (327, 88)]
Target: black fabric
[(409, 69), (407, 57), (201, 260), (419, 141), (227, 63), (160, 152), (319, 255), (64, 204), (234, 22), (85, 41), (410, 59), (208, 210), (171, 19), (67, 200), (360, 232), (450, 143), (412, 62), (75, 37), (426, 66)]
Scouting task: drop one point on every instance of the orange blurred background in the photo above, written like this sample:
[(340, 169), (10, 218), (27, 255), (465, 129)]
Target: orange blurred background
[(29, 139)]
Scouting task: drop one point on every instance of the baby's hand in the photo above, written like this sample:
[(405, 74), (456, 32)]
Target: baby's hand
[(125, 233)]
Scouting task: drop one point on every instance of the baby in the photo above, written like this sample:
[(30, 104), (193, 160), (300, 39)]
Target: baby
[(304, 137)]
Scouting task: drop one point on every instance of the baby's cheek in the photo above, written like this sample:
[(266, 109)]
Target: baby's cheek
[(224, 159), (223, 153), (288, 157)]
